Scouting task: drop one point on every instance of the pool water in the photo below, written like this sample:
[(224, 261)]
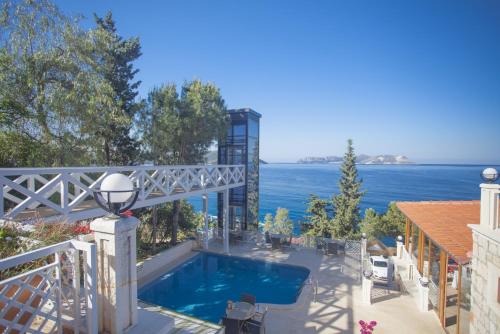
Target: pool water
[(201, 286)]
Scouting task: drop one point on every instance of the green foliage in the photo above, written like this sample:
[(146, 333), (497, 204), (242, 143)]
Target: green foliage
[(346, 204), (63, 89), (180, 129), (280, 224), (268, 222), (319, 220), (371, 224), (391, 224), (114, 59)]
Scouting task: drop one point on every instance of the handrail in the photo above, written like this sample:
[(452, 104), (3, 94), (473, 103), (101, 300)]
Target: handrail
[(68, 191)]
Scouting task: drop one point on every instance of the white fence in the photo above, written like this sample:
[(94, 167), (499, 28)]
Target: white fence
[(59, 293), (68, 192)]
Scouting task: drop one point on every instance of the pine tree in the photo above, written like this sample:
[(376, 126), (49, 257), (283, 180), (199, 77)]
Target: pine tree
[(115, 58), (319, 220), (346, 203)]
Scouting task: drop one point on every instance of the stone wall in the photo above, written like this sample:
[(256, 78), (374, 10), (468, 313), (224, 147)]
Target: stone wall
[(486, 272), (147, 269)]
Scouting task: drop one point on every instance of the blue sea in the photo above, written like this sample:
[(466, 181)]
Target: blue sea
[(289, 185)]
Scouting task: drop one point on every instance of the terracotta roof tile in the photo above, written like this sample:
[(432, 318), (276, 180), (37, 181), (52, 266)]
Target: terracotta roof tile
[(445, 222)]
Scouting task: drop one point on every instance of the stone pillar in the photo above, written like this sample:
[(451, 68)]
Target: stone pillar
[(117, 273), (399, 249), (363, 248), (226, 221), (485, 283), (366, 285), (423, 295), (205, 217)]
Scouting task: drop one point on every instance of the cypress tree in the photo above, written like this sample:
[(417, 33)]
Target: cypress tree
[(346, 203)]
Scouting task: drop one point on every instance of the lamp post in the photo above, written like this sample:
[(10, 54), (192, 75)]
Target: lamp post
[(399, 246), (489, 175), (116, 195), (115, 237)]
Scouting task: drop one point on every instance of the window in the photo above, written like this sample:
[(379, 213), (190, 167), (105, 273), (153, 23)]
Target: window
[(380, 264)]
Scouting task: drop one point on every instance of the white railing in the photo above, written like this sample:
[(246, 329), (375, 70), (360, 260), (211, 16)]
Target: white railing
[(68, 192), (54, 295)]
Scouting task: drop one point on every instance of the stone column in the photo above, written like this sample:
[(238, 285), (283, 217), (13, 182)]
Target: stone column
[(423, 294), (117, 273), (399, 249), (366, 286)]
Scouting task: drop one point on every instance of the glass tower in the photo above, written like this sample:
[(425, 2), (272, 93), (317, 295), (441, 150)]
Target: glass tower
[(241, 147)]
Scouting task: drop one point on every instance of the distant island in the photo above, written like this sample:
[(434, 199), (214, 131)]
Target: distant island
[(362, 159)]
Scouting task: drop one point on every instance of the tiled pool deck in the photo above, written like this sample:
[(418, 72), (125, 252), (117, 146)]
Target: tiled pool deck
[(338, 306)]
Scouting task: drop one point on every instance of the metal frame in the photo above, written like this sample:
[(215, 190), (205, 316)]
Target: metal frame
[(65, 191)]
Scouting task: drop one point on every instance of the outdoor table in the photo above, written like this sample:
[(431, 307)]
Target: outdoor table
[(279, 236), (241, 311)]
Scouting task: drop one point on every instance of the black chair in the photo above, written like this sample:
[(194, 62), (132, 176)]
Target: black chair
[(254, 326), (232, 326), (275, 243), (248, 298), (332, 248), (268, 237)]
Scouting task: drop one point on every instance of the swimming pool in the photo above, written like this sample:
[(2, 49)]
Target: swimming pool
[(201, 286)]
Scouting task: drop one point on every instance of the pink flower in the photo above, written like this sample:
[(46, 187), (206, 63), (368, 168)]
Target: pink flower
[(362, 323), (373, 323)]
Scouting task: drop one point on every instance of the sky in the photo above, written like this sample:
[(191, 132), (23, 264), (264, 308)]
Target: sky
[(417, 78)]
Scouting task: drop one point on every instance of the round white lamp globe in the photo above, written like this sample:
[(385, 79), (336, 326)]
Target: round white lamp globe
[(117, 182), (400, 238), (489, 174)]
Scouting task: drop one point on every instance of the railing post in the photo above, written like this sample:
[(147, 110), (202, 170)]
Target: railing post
[(205, 217), (2, 209), (226, 221), (76, 290), (91, 289), (64, 193), (58, 301)]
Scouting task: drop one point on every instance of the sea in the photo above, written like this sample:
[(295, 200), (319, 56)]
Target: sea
[(290, 185)]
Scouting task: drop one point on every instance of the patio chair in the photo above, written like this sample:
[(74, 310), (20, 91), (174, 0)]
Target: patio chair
[(254, 326), (247, 298), (232, 326), (275, 243), (268, 237), (332, 248)]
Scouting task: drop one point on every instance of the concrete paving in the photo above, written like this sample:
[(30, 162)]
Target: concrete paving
[(337, 307)]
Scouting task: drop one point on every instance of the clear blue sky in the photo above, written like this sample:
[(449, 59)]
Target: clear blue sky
[(420, 78)]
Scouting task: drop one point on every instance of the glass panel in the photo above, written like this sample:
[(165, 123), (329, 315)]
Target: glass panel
[(253, 128), (425, 268), (465, 299), (239, 130), (451, 310), (414, 248), (434, 276)]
